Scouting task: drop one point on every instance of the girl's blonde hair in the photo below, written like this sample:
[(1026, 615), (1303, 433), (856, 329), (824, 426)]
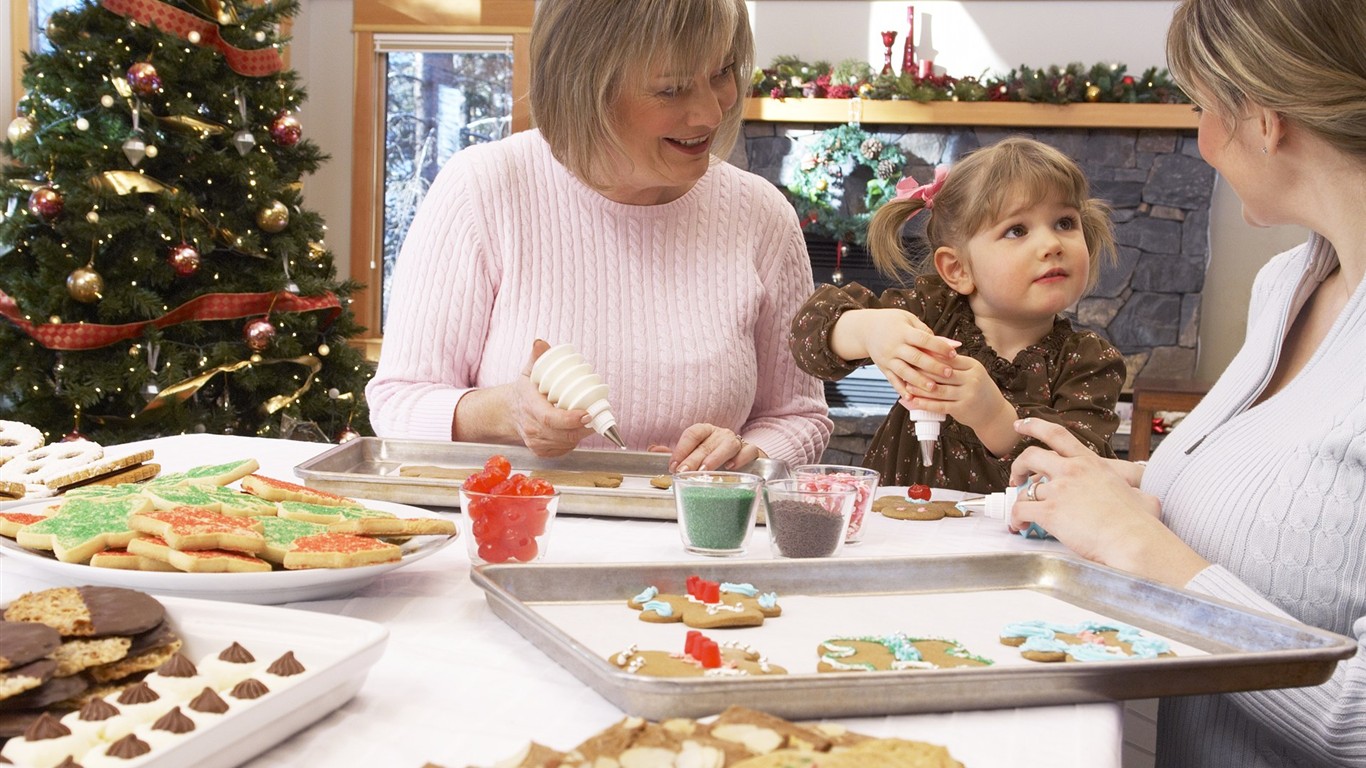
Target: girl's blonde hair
[(976, 192), (585, 53), (1306, 60)]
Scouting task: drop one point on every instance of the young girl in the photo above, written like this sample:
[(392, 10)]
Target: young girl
[(1014, 240)]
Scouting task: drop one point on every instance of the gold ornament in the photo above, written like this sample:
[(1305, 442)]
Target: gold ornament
[(822, 185), (865, 88), (85, 285), (316, 250), (1093, 93), (20, 128), (273, 218)]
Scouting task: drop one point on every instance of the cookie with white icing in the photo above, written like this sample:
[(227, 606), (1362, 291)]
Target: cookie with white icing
[(1084, 641), (894, 652), (708, 605)]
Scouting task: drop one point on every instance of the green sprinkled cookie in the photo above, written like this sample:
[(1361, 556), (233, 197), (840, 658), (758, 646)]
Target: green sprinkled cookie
[(82, 527)]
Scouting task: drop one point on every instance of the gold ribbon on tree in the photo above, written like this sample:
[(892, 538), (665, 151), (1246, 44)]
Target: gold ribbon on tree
[(184, 390)]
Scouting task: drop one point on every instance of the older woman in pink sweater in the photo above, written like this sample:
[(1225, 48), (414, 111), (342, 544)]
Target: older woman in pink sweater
[(614, 227)]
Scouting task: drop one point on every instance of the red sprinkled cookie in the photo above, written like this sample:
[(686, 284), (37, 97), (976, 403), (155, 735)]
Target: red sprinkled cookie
[(197, 560), (279, 490), (188, 528), (338, 550)]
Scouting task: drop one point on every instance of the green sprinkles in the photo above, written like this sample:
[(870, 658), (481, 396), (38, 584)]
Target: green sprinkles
[(717, 518)]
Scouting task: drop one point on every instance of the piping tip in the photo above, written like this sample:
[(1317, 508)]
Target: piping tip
[(612, 434), (927, 452)]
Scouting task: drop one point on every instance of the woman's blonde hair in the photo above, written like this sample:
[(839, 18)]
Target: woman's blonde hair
[(584, 53), (975, 194), (1305, 60)]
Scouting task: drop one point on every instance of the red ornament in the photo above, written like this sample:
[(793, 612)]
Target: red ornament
[(286, 130), (143, 78), (73, 436), (46, 203), (259, 333), (1127, 79), (347, 435), (184, 259)]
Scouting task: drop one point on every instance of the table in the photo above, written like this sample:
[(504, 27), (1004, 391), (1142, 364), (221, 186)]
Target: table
[(458, 687)]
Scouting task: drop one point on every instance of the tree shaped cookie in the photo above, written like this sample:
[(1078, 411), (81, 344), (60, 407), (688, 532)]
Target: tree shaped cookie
[(708, 605), (82, 527)]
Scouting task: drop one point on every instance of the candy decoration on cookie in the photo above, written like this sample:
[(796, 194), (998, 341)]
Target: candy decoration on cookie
[(701, 656), (708, 605), (918, 492), (894, 652), (1084, 641)]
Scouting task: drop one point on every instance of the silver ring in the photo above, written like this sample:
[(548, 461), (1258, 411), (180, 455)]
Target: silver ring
[(1029, 492)]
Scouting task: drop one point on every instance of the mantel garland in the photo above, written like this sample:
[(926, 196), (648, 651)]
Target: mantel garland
[(791, 77), (818, 186)]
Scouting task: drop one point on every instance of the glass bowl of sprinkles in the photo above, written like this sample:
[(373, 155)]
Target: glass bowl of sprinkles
[(804, 521), (716, 510)]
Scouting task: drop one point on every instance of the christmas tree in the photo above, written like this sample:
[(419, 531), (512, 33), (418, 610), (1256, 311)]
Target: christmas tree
[(158, 272)]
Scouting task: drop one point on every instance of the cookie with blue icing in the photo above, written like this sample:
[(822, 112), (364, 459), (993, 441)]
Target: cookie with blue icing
[(896, 651), (736, 605), (1084, 641)]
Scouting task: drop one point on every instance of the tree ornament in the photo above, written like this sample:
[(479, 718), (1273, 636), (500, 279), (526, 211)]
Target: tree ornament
[(149, 391), (347, 435), (134, 149), (184, 259), (285, 130), (316, 250), (243, 140), (1093, 93), (72, 436), (46, 203), (273, 218), (85, 285), (259, 333), (887, 170), (20, 129), (106, 101), (143, 78), (93, 217), (870, 148)]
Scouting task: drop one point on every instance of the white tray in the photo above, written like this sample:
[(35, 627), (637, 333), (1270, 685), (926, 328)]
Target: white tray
[(336, 651), (261, 588)]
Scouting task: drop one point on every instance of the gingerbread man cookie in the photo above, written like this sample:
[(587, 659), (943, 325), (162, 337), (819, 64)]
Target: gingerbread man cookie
[(1084, 641), (701, 657), (894, 652), (708, 605), (899, 508)]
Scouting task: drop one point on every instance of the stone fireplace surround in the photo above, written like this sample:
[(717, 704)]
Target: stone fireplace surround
[(1147, 303)]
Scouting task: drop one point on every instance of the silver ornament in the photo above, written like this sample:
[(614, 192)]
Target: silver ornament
[(244, 141), (134, 149)]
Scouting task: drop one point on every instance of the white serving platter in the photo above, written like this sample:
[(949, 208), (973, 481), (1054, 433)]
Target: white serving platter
[(260, 588), (336, 652)]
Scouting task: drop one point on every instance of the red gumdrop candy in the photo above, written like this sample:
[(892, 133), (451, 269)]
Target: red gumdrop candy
[(690, 645), (498, 466), (918, 492), (541, 487), (492, 552), (480, 482), (484, 530), (536, 518), (711, 592), (504, 488), (709, 653), (524, 549), (691, 583)]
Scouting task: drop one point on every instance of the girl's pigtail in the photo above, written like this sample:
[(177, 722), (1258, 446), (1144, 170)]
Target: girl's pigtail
[(884, 236)]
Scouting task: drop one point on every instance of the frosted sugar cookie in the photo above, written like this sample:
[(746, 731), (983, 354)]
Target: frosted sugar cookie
[(11, 522), (894, 652), (82, 527), (708, 605), (190, 528), (198, 560), (124, 560), (211, 474), (281, 532), (38, 465), (18, 438), (338, 550), (210, 497), (280, 490)]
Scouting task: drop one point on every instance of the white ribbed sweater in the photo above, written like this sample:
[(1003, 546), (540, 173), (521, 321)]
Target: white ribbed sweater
[(683, 308), (1275, 496)]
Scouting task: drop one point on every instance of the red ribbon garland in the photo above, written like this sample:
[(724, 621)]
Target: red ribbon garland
[(260, 62), (68, 337)]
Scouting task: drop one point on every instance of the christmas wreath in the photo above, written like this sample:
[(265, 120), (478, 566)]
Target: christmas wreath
[(817, 190)]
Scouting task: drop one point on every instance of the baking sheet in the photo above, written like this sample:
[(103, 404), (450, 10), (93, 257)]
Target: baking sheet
[(369, 467), (576, 614)]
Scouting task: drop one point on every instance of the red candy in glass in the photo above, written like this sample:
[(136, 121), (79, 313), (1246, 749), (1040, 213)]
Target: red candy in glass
[(505, 523)]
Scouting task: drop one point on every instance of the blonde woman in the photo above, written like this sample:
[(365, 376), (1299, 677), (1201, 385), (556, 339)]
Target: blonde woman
[(614, 226), (1259, 495), (1014, 239)]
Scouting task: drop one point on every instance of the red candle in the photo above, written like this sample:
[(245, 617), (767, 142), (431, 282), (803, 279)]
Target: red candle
[(908, 59)]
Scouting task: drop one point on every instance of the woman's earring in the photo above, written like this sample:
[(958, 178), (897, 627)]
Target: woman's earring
[(1263, 149)]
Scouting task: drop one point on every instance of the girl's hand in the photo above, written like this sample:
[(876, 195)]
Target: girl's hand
[(899, 344), (707, 446), (1090, 506), (543, 428)]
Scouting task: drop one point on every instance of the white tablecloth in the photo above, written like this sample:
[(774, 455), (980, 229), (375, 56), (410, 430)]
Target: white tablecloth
[(457, 686)]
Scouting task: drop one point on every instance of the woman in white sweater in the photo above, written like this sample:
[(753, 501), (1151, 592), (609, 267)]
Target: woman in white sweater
[(1262, 488), (614, 227)]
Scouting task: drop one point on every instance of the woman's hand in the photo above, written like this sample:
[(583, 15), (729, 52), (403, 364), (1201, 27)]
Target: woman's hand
[(707, 446), (905, 349), (1089, 505), (544, 429)]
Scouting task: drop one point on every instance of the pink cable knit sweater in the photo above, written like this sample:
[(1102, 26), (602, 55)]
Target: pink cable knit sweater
[(683, 308)]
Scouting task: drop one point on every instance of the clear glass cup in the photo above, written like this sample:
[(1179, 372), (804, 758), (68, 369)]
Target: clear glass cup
[(716, 510), (825, 476), (807, 522), (505, 528)]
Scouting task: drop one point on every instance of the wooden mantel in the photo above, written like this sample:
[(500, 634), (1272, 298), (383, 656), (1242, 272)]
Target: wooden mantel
[(998, 113)]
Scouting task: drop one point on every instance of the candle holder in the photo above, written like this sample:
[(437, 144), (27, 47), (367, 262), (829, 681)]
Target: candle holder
[(888, 40)]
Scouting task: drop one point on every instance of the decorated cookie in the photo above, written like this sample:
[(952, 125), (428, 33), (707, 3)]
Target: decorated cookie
[(211, 497), (708, 605), (229, 666), (893, 652), (17, 439), (11, 522), (37, 466), (339, 550), (211, 474), (190, 528), (12, 491), (329, 515), (1084, 641), (150, 650), (280, 490), (701, 657), (96, 470), (78, 654), (53, 690), (899, 508), (82, 527), (393, 526), (25, 677), (198, 560), (123, 560), (281, 532), (89, 611), (22, 642)]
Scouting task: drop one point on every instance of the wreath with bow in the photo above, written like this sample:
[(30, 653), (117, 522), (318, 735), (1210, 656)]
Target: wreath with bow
[(817, 190)]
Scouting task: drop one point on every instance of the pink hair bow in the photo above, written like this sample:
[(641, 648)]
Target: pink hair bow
[(906, 189)]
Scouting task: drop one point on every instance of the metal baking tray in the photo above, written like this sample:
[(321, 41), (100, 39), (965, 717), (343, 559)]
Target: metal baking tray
[(576, 614), (368, 467)]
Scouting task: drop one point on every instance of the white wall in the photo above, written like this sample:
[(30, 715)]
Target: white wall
[(968, 37)]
